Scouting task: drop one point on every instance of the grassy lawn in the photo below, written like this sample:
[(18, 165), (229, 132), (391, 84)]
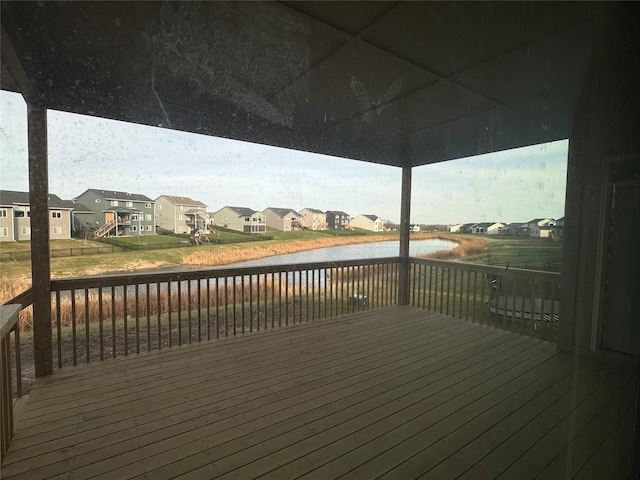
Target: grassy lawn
[(520, 252), (25, 246)]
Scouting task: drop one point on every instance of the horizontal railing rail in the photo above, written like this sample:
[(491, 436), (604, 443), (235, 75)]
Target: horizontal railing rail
[(524, 301), (8, 326), (108, 316)]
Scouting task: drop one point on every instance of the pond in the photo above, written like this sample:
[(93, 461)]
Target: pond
[(349, 252)]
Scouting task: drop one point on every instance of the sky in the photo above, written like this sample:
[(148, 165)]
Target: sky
[(87, 152)]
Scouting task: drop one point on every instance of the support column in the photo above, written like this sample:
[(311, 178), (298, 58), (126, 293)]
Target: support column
[(405, 216), (40, 266)]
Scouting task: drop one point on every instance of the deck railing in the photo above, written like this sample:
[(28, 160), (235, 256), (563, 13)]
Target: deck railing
[(8, 326), (524, 301), (100, 317), (94, 318)]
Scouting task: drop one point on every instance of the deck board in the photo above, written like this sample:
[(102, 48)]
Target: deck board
[(395, 393)]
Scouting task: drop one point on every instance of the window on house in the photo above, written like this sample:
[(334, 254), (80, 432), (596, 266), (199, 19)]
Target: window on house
[(56, 215), (25, 231), (148, 205), (57, 230), (97, 200), (18, 213), (134, 228), (114, 203), (246, 219), (180, 217), (147, 228), (129, 204), (3, 213), (134, 217), (4, 232), (147, 217)]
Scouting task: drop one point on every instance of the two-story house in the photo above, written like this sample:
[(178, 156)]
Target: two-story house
[(368, 222), (241, 219), (116, 213), (180, 214), (337, 220), (15, 216), (285, 219), (313, 219), (539, 227), (487, 228)]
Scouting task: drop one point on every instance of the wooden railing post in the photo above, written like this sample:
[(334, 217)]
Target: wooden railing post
[(40, 262), (405, 214)]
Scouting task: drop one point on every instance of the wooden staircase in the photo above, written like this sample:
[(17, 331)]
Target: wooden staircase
[(103, 230)]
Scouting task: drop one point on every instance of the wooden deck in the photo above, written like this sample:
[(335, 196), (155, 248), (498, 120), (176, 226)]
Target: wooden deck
[(392, 393)]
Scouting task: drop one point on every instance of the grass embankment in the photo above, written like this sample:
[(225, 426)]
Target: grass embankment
[(516, 252)]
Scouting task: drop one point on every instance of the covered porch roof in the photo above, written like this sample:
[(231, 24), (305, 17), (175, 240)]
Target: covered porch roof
[(398, 83)]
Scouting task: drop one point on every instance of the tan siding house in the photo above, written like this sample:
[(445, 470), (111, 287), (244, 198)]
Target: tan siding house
[(241, 219), (313, 219), (15, 217), (368, 222), (180, 214), (285, 219)]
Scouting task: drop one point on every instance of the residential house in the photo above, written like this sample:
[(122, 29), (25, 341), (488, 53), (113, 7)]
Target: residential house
[(368, 222), (15, 213), (337, 220), (512, 229), (414, 227), (241, 219), (116, 213), (466, 227), (455, 228), (487, 228), (181, 214), (313, 219), (285, 219), (539, 227)]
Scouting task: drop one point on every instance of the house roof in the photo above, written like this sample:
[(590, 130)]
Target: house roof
[(486, 224), (538, 220), (337, 212), (192, 211), (334, 78), (120, 196), (177, 200), (314, 210), (373, 218), (282, 212), (242, 211), (11, 197)]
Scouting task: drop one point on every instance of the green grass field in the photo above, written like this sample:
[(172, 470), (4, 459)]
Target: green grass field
[(521, 252)]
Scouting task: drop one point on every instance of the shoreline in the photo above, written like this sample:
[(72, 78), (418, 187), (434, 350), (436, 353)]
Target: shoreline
[(233, 254)]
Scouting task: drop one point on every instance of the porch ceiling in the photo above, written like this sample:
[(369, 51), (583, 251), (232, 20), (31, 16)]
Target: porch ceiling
[(399, 83)]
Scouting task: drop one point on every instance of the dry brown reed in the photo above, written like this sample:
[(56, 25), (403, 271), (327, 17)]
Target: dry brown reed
[(11, 288), (113, 306), (466, 246), (358, 274)]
